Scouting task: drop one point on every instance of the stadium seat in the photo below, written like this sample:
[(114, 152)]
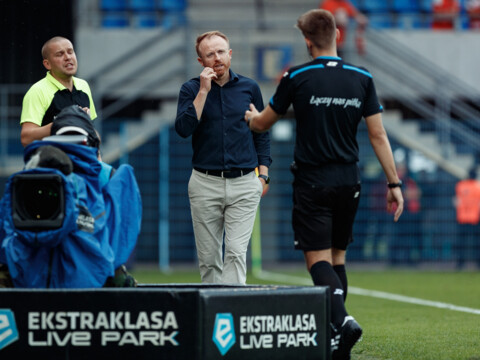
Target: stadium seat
[(142, 5), (172, 5), (375, 6), (425, 5), (408, 6), (173, 19), (145, 20), (464, 21), (113, 5), (115, 20), (411, 21), (380, 21)]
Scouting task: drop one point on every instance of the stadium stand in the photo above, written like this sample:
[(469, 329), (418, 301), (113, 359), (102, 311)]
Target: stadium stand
[(142, 13), (115, 20), (374, 6), (113, 5), (381, 20), (142, 5), (135, 86), (405, 5)]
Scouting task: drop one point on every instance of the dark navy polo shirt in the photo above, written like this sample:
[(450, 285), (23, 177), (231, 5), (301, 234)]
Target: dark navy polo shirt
[(221, 140)]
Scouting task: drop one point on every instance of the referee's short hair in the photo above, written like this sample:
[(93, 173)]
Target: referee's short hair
[(319, 27)]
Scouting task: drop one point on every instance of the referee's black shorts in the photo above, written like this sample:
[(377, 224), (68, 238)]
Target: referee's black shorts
[(323, 217)]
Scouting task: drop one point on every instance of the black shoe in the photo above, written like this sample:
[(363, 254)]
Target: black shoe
[(122, 278), (343, 341)]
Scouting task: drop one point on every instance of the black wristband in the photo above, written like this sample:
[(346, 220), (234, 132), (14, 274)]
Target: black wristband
[(394, 185)]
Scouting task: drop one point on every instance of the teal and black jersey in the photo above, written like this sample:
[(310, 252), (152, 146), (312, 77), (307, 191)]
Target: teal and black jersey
[(47, 97), (329, 98)]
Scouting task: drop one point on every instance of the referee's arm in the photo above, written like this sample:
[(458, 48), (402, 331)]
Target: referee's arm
[(260, 122), (383, 151), (381, 146)]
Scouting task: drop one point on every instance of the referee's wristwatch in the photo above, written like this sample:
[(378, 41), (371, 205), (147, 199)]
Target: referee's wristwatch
[(394, 185), (265, 177)]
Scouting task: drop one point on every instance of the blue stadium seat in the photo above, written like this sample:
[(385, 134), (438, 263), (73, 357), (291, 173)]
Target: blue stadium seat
[(113, 5), (412, 21), (115, 20), (426, 5), (145, 20), (380, 21), (142, 5), (464, 21), (356, 3), (172, 5), (408, 6), (173, 19), (375, 6)]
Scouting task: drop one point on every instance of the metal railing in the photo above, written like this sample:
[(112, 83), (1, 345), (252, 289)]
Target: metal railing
[(10, 112), (131, 58), (401, 71)]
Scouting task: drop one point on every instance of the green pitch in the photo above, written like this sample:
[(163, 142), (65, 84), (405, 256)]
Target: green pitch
[(392, 329)]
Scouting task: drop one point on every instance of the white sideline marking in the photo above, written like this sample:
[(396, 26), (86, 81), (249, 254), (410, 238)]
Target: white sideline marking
[(266, 275)]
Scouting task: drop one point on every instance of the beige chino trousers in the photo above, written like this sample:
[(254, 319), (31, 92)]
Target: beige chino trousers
[(219, 207)]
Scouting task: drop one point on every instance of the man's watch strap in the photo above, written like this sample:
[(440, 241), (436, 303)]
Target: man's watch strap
[(265, 177), (394, 185)]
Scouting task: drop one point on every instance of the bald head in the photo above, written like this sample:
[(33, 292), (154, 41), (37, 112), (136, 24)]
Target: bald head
[(60, 60), (46, 47)]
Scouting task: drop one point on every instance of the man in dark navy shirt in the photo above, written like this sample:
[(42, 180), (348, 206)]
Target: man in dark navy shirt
[(329, 98), (224, 189)]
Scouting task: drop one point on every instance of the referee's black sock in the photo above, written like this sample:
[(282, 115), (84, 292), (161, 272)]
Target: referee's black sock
[(323, 275), (342, 275)]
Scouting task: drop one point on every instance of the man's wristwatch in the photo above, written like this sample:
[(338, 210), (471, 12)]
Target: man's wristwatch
[(265, 177), (394, 185)]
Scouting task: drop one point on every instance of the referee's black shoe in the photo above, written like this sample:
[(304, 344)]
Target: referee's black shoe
[(344, 339)]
